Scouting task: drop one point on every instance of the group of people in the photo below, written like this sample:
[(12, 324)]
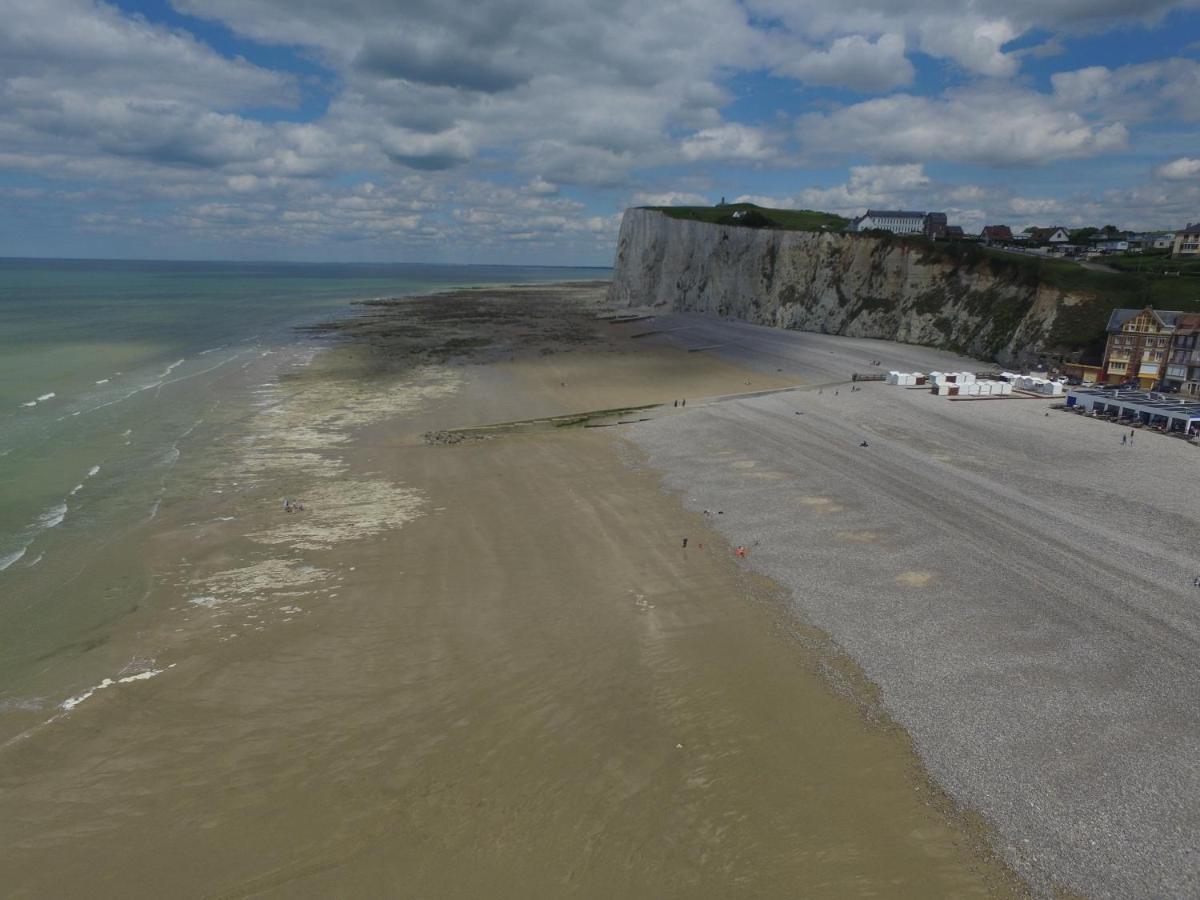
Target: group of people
[(290, 505), (1127, 439)]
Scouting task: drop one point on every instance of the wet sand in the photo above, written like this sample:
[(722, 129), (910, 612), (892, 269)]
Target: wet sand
[(524, 686)]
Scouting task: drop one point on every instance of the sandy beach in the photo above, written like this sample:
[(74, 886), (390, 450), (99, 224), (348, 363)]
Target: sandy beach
[(481, 669)]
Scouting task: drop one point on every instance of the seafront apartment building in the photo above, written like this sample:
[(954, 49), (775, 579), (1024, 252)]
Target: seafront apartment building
[(1139, 341), (1183, 362)]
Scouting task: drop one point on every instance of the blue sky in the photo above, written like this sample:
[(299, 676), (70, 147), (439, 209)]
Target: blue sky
[(517, 132)]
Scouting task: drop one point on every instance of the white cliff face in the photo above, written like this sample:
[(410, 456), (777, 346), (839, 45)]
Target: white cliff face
[(830, 282)]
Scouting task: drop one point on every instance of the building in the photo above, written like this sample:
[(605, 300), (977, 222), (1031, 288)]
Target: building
[(1171, 414), (1053, 235), (954, 233), (935, 225), (1164, 241), (996, 234), (1138, 343), (1083, 373), (897, 221), (1187, 242), (1183, 360)]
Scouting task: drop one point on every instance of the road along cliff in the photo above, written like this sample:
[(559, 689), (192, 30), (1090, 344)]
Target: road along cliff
[(960, 298)]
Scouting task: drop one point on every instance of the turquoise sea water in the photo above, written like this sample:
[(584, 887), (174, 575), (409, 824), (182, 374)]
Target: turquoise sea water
[(109, 371)]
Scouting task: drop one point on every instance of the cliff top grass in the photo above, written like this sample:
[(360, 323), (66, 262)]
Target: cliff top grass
[(784, 219), (1081, 326)]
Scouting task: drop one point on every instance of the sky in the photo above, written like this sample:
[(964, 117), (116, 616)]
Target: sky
[(517, 131)]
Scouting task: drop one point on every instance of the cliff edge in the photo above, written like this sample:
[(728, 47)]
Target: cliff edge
[(861, 285)]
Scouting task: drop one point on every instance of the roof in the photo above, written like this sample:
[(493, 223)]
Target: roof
[(1191, 229), (1041, 233), (996, 231), (895, 214), (1187, 322), (1164, 404), (1120, 316)]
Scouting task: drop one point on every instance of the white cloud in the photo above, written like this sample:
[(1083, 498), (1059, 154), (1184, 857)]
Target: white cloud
[(1168, 87), (971, 33), (987, 126), (731, 141), (668, 198), (853, 61), (1180, 169)]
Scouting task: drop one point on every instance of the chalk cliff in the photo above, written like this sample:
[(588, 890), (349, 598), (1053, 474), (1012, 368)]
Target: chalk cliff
[(880, 287)]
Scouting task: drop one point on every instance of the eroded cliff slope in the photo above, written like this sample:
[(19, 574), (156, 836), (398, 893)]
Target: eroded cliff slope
[(837, 283)]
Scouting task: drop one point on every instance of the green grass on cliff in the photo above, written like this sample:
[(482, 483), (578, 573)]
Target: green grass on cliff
[(785, 219), (1079, 327)]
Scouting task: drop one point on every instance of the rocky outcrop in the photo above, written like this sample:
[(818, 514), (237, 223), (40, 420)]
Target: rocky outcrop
[(861, 285)]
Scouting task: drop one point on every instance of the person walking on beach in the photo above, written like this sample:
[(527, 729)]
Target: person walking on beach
[(1123, 439), (685, 543)]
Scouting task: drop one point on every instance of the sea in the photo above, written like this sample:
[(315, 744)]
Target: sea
[(121, 383)]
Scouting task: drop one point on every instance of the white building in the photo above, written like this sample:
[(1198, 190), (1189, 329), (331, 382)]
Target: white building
[(897, 221)]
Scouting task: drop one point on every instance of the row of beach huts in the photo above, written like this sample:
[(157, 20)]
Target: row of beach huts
[(968, 384)]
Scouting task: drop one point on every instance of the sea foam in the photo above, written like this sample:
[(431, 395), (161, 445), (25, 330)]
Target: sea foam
[(53, 517), (6, 561), (71, 702)]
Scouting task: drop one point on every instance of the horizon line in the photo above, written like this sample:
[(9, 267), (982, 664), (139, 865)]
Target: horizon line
[(319, 262)]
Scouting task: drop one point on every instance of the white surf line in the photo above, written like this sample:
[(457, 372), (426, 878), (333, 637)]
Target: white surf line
[(53, 517), (72, 702), (7, 561), (172, 367), (42, 399), (157, 385)]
